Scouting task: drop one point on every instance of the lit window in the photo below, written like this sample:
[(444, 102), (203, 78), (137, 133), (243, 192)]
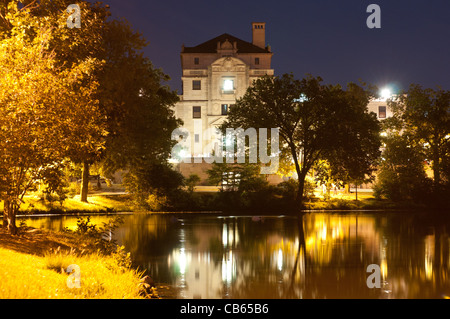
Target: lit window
[(382, 112), (228, 85), (197, 112), (196, 85)]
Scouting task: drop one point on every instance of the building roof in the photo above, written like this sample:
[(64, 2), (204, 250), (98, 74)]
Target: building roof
[(210, 46)]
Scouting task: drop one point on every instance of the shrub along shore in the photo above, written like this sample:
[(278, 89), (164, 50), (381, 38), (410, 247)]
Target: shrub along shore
[(207, 202)]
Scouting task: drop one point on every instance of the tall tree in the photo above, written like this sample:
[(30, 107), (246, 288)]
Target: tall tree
[(138, 104), (39, 104), (313, 119), (401, 175), (423, 115), (71, 46), (135, 104), (357, 135)]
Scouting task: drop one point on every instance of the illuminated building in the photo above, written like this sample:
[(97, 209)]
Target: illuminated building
[(214, 74)]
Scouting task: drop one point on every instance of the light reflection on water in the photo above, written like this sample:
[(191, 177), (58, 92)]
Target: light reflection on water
[(323, 255)]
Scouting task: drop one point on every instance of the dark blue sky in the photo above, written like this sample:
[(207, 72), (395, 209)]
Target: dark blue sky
[(327, 38)]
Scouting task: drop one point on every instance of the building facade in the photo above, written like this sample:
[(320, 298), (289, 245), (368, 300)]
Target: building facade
[(214, 75), (380, 108)]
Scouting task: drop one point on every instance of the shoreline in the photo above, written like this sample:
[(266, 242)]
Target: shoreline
[(33, 265), (236, 213), (120, 204)]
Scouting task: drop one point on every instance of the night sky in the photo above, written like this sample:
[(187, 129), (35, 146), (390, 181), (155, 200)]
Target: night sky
[(327, 38)]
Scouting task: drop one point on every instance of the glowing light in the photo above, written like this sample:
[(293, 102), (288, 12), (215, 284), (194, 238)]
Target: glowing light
[(228, 141), (324, 232), (429, 256), (302, 98), (280, 259), (228, 85), (182, 261), (384, 268), (183, 153), (228, 267), (385, 93), (225, 235)]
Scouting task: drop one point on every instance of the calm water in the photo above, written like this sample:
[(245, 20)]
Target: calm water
[(325, 255)]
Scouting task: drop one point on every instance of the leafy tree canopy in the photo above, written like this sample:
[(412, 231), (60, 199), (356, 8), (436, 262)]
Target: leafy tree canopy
[(315, 122)]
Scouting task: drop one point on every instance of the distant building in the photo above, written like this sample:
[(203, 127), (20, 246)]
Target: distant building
[(380, 108)]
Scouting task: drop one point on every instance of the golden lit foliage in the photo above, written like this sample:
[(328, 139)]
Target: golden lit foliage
[(46, 111)]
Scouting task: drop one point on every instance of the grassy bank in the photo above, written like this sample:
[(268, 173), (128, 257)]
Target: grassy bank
[(116, 200), (96, 204), (32, 266), (366, 201)]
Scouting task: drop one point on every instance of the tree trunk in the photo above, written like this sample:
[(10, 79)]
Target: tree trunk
[(347, 188), (9, 216), (301, 245), (301, 178), (84, 182), (5, 221), (300, 189)]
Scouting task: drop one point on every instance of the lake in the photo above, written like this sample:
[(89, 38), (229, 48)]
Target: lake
[(321, 255)]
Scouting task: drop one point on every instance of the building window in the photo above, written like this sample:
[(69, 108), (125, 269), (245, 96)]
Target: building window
[(196, 85), (196, 60), (197, 138), (228, 85), (197, 112), (224, 109), (256, 61), (382, 112)]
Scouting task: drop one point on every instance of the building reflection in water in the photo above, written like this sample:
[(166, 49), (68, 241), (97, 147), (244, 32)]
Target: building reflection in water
[(321, 255), (268, 258)]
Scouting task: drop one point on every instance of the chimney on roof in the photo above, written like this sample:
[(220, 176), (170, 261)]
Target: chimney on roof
[(259, 34)]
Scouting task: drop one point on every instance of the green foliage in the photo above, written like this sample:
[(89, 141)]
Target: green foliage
[(423, 116), (315, 121), (122, 258), (418, 136), (100, 236), (235, 176), (85, 94), (192, 181), (154, 187), (46, 109), (401, 174)]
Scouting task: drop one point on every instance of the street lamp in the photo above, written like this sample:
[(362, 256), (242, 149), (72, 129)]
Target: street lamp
[(385, 93)]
